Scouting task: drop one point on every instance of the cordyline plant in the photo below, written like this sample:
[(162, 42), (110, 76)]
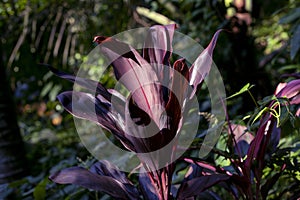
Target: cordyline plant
[(251, 152), (157, 184)]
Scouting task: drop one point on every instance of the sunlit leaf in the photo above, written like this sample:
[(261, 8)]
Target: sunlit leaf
[(270, 183), (202, 65), (39, 192), (260, 114), (246, 88)]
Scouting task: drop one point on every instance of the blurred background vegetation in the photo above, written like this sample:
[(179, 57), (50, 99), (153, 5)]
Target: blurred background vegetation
[(36, 137)]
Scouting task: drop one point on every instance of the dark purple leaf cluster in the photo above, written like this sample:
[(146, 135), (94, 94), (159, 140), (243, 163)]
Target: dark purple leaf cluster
[(153, 65)]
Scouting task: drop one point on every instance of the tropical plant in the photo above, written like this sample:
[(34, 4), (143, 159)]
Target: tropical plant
[(156, 183), (247, 152), (253, 152)]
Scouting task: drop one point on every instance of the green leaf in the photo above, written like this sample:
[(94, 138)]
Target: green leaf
[(246, 88), (295, 42), (46, 89), (39, 192), (54, 92), (288, 67), (246, 117), (18, 183), (260, 114)]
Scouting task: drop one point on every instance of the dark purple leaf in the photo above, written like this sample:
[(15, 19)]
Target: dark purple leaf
[(84, 178), (230, 187), (291, 90), (275, 137), (268, 126), (239, 181), (296, 99), (208, 195), (135, 73), (86, 106), (265, 147), (258, 146), (105, 168), (202, 65), (145, 136), (150, 144), (197, 185), (139, 116), (94, 86), (295, 75), (177, 94), (193, 172), (157, 51), (181, 67), (158, 44), (147, 188), (254, 148), (202, 164), (90, 108), (112, 52), (242, 138)]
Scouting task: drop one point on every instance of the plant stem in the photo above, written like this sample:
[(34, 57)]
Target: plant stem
[(253, 98)]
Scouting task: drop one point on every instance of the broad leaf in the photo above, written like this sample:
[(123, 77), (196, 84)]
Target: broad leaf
[(94, 86), (291, 91), (135, 73), (202, 65), (274, 140), (157, 51), (105, 168), (242, 138), (197, 185), (86, 106), (158, 45), (295, 42), (259, 144), (294, 14), (178, 94), (84, 178), (143, 133)]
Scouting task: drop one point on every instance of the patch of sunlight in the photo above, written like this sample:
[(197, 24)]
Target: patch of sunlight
[(159, 18), (271, 35)]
